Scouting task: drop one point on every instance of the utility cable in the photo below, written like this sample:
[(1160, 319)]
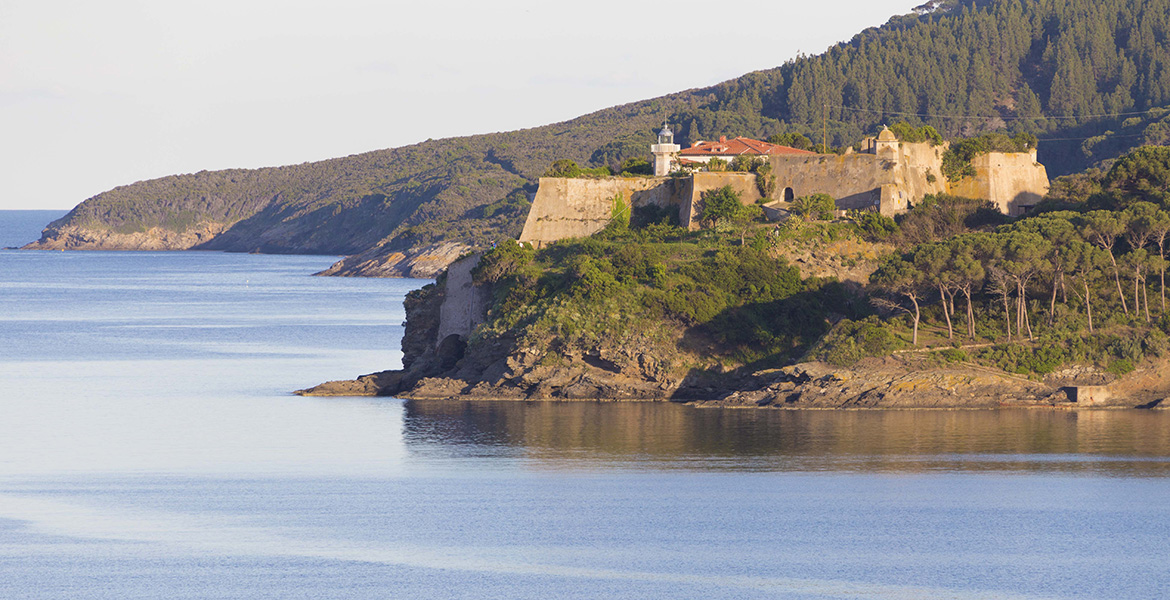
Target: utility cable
[(936, 116)]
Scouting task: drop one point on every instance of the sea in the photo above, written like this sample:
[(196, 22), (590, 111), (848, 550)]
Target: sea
[(151, 447)]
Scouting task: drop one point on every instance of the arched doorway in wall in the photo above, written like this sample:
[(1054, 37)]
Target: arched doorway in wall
[(789, 194)]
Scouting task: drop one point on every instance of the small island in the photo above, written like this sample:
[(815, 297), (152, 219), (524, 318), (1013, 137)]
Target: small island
[(741, 281)]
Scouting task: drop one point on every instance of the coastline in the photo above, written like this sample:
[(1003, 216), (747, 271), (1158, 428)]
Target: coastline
[(808, 386)]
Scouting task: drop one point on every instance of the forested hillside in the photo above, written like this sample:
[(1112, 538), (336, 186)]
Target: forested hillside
[(1090, 77)]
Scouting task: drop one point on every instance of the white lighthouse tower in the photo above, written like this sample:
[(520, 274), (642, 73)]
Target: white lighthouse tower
[(664, 151)]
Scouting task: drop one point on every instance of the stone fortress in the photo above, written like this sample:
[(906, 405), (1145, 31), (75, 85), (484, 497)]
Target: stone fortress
[(887, 176)]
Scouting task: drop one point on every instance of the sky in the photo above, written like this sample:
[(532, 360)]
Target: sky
[(99, 94)]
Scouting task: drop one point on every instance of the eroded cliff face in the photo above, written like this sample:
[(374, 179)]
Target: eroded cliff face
[(419, 262), (72, 237)]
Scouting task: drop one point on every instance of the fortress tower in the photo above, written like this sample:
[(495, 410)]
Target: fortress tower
[(887, 144), (664, 151)]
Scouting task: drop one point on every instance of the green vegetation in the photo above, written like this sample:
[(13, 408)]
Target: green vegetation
[(908, 133), (1028, 296), (636, 166), (957, 158), (792, 140), (873, 226), (734, 303), (815, 207), (515, 203), (719, 205), (568, 168), (1055, 288), (850, 341)]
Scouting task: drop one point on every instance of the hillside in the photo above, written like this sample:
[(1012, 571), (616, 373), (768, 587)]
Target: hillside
[(1047, 66), (953, 304)]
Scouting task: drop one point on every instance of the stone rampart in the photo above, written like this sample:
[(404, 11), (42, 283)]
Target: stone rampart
[(901, 174), (1012, 181), (863, 180), (743, 183), (569, 208)]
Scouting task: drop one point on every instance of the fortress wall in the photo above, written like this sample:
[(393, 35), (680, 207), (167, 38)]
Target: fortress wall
[(568, 208), (1011, 181), (854, 180), (743, 183), (862, 180)]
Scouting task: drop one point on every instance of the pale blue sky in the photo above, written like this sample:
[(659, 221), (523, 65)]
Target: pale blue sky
[(98, 94)]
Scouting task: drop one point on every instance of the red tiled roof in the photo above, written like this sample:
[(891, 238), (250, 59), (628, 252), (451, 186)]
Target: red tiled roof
[(737, 146)]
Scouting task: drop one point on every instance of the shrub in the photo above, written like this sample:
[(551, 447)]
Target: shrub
[(620, 213), (954, 355), (817, 207), (719, 205), (873, 226), (745, 164), (563, 168), (850, 341), (636, 166), (1120, 367), (515, 203)]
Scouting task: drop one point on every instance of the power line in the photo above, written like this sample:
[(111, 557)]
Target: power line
[(936, 116)]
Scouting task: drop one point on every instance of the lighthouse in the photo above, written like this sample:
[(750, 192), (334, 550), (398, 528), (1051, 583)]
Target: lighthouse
[(664, 151)]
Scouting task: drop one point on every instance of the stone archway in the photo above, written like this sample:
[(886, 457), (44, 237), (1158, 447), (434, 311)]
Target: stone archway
[(789, 194)]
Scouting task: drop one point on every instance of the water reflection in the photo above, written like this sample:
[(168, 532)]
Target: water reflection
[(656, 436)]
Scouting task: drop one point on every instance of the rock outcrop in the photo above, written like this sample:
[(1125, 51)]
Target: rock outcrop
[(73, 237), (420, 262), (894, 383), (439, 363)]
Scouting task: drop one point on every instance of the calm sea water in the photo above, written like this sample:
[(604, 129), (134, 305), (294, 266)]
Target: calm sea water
[(150, 448), (19, 227)]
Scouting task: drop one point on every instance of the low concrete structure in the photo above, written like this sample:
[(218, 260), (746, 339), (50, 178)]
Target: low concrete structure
[(464, 306), (1090, 395)]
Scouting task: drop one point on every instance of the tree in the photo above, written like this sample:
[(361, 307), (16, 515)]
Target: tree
[(1102, 227), (1136, 264), (816, 207), (1159, 229), (745, 218), (1142, 175), (792, 140), (716, 164), (932, 261), (1022, 257), (563, 168), (1059, 231), (636, 166), (1087, 262), (967, 271), (719, 205), (901, 279)]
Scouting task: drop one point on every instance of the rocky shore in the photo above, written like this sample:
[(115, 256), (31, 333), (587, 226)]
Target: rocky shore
[(885, 384), (419, 262), (438, 365), (73, 237)]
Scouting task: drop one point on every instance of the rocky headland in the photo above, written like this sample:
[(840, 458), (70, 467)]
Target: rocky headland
[(651, 366)]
